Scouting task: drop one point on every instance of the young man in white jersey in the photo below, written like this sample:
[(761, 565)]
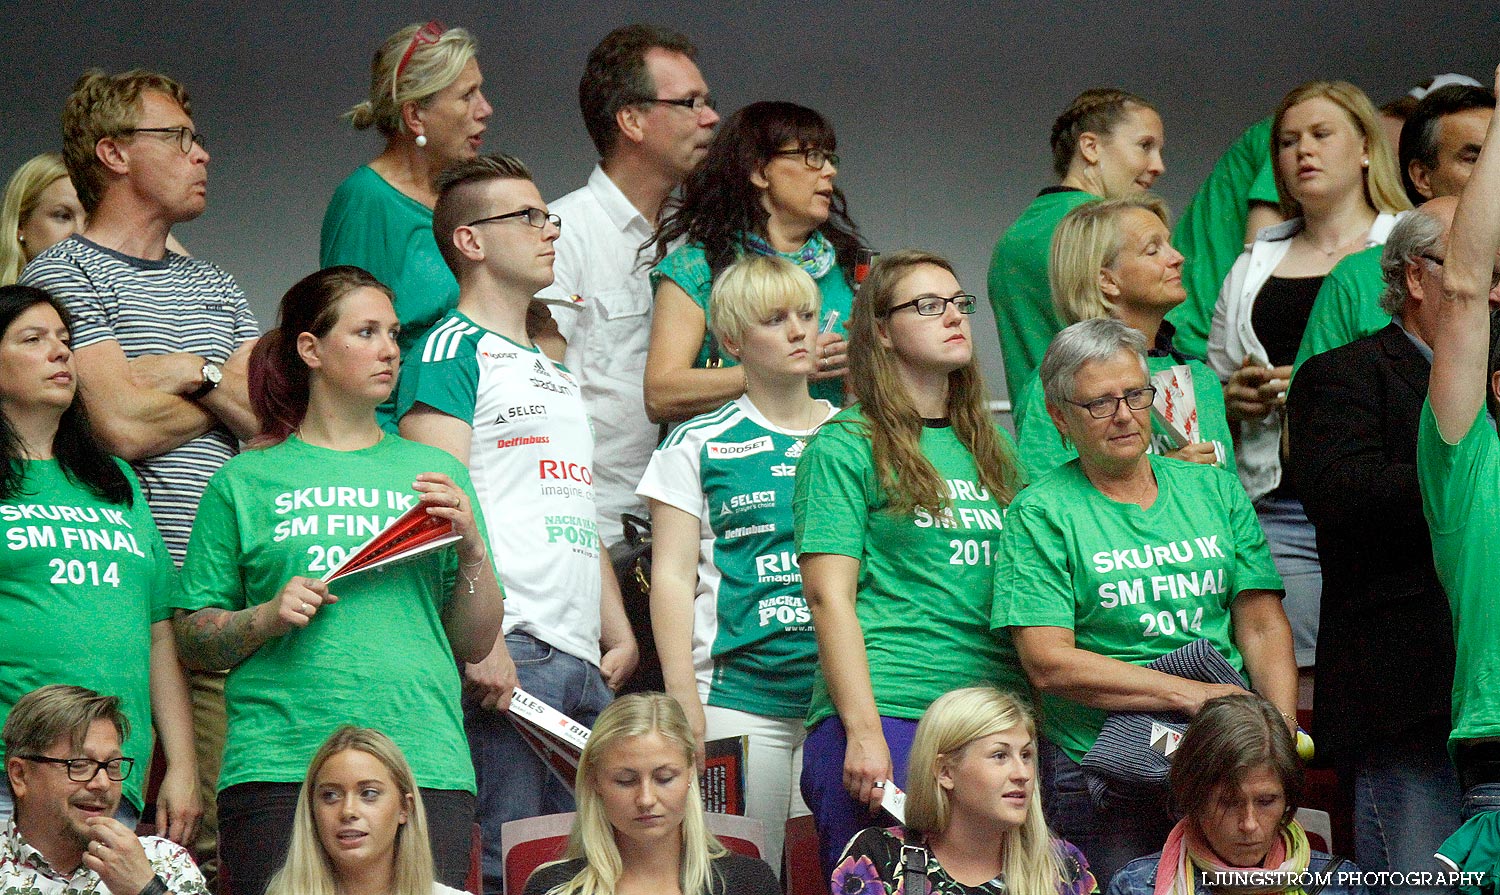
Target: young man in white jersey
[(481, 390)]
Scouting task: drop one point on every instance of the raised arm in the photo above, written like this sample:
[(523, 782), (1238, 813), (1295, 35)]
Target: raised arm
[(212, 638), (1460, 344), (675, 389)]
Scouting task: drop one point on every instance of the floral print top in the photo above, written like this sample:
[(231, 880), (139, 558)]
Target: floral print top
[(872, 866), (23, 870)]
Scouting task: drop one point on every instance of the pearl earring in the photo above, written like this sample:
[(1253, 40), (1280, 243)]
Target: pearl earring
[(421, 140), (1364, 163)]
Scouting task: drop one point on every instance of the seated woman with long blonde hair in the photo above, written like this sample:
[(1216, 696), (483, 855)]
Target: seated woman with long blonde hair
[(360, 828), (640, 826), (973, 811)]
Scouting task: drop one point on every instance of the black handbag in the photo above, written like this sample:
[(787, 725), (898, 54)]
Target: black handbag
[(631, 559)]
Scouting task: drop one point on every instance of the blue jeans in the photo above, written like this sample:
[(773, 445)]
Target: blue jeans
[(1111, 836), (1406, 802), (1294, 549), (513, 781), (835, 813)]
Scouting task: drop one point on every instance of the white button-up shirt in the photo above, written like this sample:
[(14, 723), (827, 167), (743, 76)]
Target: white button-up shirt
[(23, 870), (601, 300)]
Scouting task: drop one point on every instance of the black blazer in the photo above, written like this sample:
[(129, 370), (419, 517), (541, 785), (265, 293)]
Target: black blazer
[(1385, 638)]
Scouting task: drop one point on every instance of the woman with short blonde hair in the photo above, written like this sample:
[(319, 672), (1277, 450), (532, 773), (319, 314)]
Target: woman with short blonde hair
[(1114, 259), (734, 634)]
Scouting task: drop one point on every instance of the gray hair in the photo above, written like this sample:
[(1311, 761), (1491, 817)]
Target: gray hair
[(1415, 235), (1084, 342)]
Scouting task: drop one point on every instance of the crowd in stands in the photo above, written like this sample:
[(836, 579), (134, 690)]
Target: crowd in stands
[(1255, 475)]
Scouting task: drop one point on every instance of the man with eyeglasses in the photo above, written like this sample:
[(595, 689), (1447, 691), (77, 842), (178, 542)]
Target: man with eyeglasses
[(160, 340), (63, 761), (480, 389), (649, 114)]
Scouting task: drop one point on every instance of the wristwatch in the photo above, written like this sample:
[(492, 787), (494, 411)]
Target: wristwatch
[(212, 376)]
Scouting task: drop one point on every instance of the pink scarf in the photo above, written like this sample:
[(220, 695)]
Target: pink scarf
[(1187, 853)]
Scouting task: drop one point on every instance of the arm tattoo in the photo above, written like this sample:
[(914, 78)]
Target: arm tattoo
[(213, 639)]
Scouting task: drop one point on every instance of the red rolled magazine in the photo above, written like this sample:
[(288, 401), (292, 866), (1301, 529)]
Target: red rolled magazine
[(410, 535)]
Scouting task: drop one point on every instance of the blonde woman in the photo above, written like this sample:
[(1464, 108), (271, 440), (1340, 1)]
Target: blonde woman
[(898, 508), (425, 100), (640, 824), (1114, 258), (1336, 175), (733, 631), (360, 828), (973, 810), (41, 209)]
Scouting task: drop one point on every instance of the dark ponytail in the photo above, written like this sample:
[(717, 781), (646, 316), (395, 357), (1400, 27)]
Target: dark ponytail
[(278, 376)]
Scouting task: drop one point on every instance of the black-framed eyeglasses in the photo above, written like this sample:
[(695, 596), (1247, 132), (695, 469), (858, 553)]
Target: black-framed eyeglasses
[(695, 104), (533, 216), (1494, 275), (82, 770), (815, 157), (1109, 405), (935, 305), (186, 136)]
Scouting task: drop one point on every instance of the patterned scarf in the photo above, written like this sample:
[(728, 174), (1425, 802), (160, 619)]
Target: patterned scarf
[(1187, 853), (816, 256)]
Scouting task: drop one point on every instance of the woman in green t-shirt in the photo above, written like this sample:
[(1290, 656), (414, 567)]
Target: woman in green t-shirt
[(1116, 559), (1107, 143), (85, 582), (275, 521), (1114, 258), (898, 507), (766, 186)]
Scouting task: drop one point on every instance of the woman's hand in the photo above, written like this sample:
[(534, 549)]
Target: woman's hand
[(867, 762), (179, 805), (493, 678), (444, 499), (294, 607), (692, 707), (832, 353), (1200, 452), (1253, 391)]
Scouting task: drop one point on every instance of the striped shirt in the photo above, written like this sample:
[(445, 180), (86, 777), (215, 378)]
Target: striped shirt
[(177, 304)]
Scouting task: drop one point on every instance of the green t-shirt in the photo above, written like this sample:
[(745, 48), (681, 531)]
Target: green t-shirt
[(1020, 292), (1460, 486), (379, 657), (1348, 305), (1042, 447), (1211, 231), (733, 469), (923, 596), (687, 266), (373, 225), (1132, 584), (82, 583)]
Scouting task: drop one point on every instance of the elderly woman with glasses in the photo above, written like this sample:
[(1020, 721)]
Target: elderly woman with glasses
[(425, 100), (1117, 558), (766, 187)]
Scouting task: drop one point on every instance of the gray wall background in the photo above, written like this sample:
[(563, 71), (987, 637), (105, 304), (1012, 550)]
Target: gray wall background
[(942, 107)]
